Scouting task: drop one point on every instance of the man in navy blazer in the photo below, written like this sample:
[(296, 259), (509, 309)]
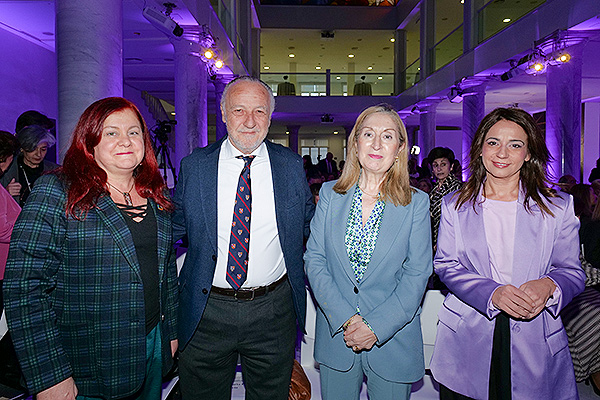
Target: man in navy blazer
[(258, 320)]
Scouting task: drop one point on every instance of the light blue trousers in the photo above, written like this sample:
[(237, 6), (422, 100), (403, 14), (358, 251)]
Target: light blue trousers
[(338, 385)]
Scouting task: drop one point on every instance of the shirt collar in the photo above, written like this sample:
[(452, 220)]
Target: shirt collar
[(229, 151)]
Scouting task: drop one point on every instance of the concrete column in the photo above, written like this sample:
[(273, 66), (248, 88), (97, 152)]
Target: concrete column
[(221, 128), (427, 127), (293, 137), (473, 108), (190, 98), (563, 116), (89, 52)]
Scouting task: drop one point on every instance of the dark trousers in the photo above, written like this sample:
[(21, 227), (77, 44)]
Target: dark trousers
[(500, 384), (261, 331)]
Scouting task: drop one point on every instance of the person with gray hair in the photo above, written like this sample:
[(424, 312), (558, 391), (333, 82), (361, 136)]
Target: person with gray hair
[(29, 164)]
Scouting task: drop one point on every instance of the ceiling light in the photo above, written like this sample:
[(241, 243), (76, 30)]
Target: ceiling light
[(564, 57), (369, 68), (266, 67), (335, 132), (291, 55), (172, 112), (462, 1), (392, 40), (287, 132), (538, 66), (209, 54), (350, 55), (338, 77), (318, 67), (219, 64), (380, 77), (506, 20)]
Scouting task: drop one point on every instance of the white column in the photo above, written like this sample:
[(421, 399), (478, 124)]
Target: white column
[(190, 98), (89, 50)]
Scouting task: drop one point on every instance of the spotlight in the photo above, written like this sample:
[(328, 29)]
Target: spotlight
[(218, 64), (415, 150), (326, 119), (455, 95), (563, 58), (538, 67), (208, 54)]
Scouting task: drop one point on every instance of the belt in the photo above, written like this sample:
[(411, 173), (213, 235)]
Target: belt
[(249, 294)]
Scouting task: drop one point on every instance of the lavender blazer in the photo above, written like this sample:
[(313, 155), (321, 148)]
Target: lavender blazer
[(545, 246)]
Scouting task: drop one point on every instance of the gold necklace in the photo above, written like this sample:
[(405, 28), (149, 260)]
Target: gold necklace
[(367, 193), (126, 194)]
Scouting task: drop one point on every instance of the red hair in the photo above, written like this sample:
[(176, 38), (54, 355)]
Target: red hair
[(86, 180)]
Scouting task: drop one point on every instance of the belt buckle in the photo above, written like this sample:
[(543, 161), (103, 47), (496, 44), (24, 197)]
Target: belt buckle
[(245, 291)]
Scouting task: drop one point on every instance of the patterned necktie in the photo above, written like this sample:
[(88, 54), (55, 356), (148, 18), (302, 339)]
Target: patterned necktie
[(239, 241)]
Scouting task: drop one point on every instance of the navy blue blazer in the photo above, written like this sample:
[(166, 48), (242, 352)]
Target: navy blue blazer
[(196, 216)]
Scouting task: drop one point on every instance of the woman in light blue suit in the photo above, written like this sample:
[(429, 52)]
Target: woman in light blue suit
[(367, 260)]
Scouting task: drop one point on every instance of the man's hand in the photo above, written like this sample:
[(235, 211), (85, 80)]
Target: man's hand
[(65, 390)]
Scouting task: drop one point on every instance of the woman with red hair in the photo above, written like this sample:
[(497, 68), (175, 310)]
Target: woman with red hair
[(90, 285)]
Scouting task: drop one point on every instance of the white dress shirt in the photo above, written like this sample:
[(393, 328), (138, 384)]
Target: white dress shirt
[(265, 257)]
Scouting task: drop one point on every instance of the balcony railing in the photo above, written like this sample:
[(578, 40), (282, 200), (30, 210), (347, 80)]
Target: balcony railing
[(331, 83)]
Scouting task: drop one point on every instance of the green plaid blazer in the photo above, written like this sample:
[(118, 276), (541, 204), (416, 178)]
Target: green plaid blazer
[(74, 297)]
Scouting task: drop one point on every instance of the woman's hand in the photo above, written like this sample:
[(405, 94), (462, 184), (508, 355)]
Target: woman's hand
[(66, 390), (539, 290), (13, 188), (513, 301), (359, 336), (174, 346)]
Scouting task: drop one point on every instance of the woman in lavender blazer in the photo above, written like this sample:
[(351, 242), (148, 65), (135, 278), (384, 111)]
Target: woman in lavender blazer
[(508, 252)]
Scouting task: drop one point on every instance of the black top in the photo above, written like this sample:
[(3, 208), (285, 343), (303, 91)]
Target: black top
[(27, 176), (144, 238)]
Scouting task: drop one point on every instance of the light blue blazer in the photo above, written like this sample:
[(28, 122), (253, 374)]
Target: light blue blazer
[(389, 295)]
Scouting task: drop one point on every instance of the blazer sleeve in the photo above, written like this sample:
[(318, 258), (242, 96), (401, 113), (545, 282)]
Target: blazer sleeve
[(468, 285), (336, 308), (34, 259), (172, 294), (405, 300), (178, 218), (565, 268)]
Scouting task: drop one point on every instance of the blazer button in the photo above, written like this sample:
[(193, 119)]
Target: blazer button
[(355, 290), (214, 257), (204, 291)]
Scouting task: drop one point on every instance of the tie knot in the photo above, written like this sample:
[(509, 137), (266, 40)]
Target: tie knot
[(247, 160)]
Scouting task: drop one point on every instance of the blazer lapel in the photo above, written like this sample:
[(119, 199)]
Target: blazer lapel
[(281, 189), (472, 230), (528, 241), (112, 218), (162, 235), (391, 223), (338, 223), (208, 176)]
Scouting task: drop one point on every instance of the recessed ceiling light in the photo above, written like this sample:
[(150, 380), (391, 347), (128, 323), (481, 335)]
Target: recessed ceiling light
[(266, 67), (318, 67), (350, 55), (506, 20), (287, 132), (338, 77), (380, 77), (369, 68), (392, 40), (173, 113), (335, 132), (291, 55)]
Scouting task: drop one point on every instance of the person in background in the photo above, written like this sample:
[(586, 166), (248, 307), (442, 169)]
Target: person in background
[(33, 117), (315, 188), (29, 165), (595, 172), (566, 182), (508, 251), (425, 185), (441, 160), (91, 282), (328, 167), (368, 259)]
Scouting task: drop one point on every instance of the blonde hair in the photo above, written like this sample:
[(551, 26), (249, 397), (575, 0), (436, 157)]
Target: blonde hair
[(395, 187)]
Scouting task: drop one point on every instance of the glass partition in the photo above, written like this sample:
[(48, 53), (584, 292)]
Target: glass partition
[(340, 84), (497, 15), (449, 48)]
